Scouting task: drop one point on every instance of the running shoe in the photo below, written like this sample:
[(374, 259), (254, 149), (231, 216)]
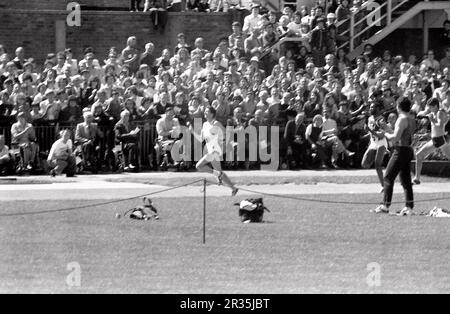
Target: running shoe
[(381, 209)]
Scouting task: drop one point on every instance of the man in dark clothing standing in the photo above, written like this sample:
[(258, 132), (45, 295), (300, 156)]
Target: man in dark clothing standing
[(319, 38)]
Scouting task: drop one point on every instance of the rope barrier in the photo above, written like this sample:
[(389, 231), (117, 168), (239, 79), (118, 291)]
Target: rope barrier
[(290, 197), (98, 204), (337, 202)]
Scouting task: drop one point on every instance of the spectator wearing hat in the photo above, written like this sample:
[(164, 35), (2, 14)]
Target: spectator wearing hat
[(331, 19), (252, 21), (23, 134)]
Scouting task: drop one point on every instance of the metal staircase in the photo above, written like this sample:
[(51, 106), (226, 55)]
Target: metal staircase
[(379, 21), (390, 16)]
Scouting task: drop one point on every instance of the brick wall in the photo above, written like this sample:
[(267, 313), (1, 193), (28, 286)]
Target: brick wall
[(35, 31), (61, 4)]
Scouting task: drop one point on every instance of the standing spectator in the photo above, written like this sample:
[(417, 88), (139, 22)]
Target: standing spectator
[(130, 55), (252, 21), (343, 13), (445, 40), (61, 157), (319, 37)]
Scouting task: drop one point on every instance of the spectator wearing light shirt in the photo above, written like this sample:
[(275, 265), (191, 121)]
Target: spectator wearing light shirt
[(61, 157), (296, 25), (330, 138), (252, 21)]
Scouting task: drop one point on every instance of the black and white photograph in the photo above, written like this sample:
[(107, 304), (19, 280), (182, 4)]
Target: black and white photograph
[(224, 151)]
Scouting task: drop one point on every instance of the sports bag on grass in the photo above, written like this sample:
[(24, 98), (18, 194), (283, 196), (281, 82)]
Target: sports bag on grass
[(252, 210)]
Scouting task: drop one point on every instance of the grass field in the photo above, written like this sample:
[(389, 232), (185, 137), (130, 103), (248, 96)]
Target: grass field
[(303, 247)]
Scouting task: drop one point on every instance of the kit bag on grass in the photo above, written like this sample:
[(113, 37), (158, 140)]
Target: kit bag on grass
[(252, 210)]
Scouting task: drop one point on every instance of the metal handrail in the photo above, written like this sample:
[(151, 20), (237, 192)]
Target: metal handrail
[(388, 16)]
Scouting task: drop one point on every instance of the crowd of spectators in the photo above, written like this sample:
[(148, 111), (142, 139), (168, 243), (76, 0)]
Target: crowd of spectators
[(309, 89)]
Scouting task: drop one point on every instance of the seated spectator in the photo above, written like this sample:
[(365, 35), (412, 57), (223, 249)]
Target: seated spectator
[(49, 108), (129, 140), (203, 6), (430, 62), (6, 109), (61, 158), (87, 136), (192, 5), (158, 12), (313, 136), (6, 159), (294, 136), (168, 130), (71, 113), (23, 135), (445, 62)]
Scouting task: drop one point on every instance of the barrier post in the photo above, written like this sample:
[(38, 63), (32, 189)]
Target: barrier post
[(204, 211)]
